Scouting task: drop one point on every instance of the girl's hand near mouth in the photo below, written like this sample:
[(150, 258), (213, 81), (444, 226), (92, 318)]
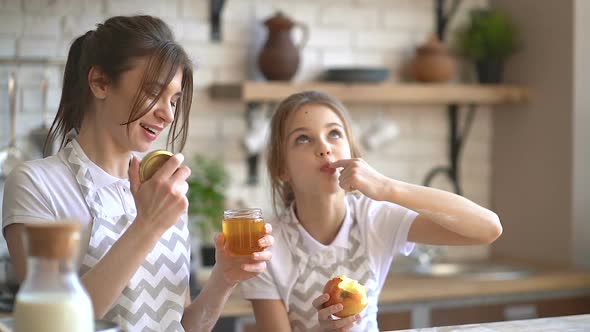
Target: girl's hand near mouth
[(356, 174)]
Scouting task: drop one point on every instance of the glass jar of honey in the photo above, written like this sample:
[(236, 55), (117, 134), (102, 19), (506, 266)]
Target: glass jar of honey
[(242, 229)]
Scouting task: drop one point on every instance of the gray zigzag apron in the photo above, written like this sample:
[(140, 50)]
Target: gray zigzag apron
[(312, 276), (154, 298)]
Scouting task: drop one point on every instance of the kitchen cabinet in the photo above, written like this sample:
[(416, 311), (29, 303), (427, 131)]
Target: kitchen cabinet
[(510, 311), (394, 320), (562, 323)]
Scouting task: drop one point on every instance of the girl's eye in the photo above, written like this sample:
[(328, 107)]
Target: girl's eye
[(335, 134), (302, 139), (173, 103)]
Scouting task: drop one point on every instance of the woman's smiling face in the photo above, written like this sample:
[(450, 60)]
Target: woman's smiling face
[(315, 137), (119, 102)]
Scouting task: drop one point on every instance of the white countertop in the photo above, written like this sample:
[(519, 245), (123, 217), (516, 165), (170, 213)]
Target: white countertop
[(576, 323)]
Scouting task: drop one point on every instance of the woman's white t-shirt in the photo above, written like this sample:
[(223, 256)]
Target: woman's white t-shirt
[(45, 190)]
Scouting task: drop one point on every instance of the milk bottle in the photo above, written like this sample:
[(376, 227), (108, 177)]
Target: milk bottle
[(52, 298)]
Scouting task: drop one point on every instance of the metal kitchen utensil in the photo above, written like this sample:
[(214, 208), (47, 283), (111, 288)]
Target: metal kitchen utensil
[(39, 134), (11, 156)]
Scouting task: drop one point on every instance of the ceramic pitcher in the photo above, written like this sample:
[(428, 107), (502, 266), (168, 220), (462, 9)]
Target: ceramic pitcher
[(280, 56)]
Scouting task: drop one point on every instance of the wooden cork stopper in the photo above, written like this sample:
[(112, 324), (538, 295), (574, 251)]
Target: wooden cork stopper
[(58, 240)]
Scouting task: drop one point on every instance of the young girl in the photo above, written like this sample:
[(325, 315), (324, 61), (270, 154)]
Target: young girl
[(124, 83), (323, 232)]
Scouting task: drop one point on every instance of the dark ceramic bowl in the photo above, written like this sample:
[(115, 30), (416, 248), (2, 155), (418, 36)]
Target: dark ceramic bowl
[(356, 74)]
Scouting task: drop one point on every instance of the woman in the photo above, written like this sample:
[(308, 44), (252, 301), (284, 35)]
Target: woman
[(124, 83)]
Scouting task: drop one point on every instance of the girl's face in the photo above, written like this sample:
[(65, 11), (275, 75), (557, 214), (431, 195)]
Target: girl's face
[(119, 102), (315, 138)]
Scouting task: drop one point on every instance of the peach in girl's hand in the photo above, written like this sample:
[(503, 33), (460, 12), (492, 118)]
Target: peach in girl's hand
[(349, 292)]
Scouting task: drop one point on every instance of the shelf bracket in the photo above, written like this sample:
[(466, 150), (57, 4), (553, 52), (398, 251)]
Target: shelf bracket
[(455, 139), (215, 8), (252, 158), (455, 145)]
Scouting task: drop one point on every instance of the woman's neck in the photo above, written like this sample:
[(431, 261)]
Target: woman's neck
[(321, 215), (103, 151)]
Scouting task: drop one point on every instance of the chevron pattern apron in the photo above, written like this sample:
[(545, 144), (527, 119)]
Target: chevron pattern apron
[(312, 276), (153, 300)]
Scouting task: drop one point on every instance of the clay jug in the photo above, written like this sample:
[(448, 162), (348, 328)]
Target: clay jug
[(432, 62), (279, 57)]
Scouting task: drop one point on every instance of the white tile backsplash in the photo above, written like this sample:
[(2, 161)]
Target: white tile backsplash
[(37, 47), (379, 40), (327, 38), (11, 25), (338, 58), (190, 30), (10, 6), (7, 47), (49, 7), (349, 17), (168, 8), (407, 19), (197, 10), (75, 25), (42, 26)]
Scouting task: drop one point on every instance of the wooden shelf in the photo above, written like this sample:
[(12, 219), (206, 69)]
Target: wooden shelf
[(383, 93)]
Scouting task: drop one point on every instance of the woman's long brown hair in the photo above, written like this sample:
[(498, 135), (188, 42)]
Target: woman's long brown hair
[(112, 47)]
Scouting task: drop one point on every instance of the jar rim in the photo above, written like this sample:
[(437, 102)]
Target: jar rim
[(243, 212)]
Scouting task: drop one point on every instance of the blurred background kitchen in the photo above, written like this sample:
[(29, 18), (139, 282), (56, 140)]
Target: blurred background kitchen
[(420, 111)]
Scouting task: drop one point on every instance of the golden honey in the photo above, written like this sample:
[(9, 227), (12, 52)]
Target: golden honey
[(242, 230), (152, 162)]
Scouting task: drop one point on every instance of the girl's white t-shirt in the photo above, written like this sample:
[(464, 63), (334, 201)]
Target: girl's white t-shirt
[(384, 228)]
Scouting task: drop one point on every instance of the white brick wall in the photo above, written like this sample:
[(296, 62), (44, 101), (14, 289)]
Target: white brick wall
[(168, 8), (37, 47), (11, 25), (342, 33), (330, 37), (74, 26), (198, 10), (349, 17), (42, 26), (7, 47), (10, 7)]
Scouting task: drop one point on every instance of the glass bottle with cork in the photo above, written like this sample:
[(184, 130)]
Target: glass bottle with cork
[(51, 297)]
